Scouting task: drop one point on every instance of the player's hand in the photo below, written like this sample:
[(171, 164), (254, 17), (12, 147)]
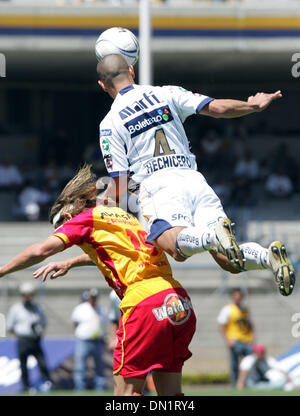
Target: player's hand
[(230, 343), (112, 345), (59, 268), (1, 273), (262, 100)]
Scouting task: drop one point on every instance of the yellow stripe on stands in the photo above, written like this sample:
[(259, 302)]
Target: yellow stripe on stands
[(158, 22), (230, 22), (68, 21)]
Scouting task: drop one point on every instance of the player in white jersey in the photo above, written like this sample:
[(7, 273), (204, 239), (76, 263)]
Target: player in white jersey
[(143, 138)]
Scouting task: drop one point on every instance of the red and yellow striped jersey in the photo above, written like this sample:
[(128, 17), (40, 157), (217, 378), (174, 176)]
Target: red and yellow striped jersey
[(116, 242)]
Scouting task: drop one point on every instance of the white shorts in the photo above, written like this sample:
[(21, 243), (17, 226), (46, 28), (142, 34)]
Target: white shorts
[(178, 197)]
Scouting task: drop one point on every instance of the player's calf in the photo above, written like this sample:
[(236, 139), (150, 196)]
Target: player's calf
[(223, 262), (167, 241)]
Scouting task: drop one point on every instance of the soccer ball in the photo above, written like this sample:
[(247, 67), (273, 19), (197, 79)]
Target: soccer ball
[(118, 40)]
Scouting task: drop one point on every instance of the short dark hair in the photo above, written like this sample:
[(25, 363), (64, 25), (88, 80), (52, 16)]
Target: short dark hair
[(236, 289), (111, 67)]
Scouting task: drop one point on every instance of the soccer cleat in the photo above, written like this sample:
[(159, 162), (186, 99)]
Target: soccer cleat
[(226, 244), (282, 268)]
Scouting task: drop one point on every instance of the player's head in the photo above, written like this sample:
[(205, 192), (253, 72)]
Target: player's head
[(81, 193), (27, 291), (114, 73), (78, 195), (90, 295), (237, 295), (260, 351)]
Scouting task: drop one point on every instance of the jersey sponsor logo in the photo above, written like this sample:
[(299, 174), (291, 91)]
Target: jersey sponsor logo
[(149, 120), (105, 132), (104, 145), (108, 161), (178, 217), (107, 215), (188, 239), (139, 105), (168, 161), (175, 308), (251, 251)]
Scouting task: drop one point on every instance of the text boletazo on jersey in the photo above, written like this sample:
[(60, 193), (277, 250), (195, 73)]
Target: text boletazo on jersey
[(146, 121)]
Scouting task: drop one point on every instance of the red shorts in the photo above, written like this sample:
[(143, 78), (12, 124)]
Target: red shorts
[(156, 335)]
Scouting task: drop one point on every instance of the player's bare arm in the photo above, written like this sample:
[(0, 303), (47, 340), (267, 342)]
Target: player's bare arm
[(242, 379), (61, 268), (226, 108), (33, 255), (229, 342)]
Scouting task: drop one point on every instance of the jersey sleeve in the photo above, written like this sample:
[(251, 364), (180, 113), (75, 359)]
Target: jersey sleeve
[(224, 315), (247, 362), (77, 230), (186, 102), (113, 150), (11, 318), (75, 316)]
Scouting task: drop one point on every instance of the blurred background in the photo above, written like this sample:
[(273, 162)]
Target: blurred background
[(50, 109)]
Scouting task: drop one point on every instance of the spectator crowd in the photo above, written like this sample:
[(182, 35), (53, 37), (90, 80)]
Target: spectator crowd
[(241, 174), (27, 322), (251, 367)]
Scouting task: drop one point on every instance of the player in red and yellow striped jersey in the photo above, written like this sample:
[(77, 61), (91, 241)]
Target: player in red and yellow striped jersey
[(158, 321)]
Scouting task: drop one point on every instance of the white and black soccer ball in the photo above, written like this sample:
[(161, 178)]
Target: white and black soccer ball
[(118, 40)]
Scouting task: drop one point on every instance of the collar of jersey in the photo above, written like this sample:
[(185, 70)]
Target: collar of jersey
[(126, 89)]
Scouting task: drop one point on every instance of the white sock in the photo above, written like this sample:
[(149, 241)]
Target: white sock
[(194, 240), (257, 257)]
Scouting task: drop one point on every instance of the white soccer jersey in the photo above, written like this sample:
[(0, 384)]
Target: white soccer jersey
[(143, 132)]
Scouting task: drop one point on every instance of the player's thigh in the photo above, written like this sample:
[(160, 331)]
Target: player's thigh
[(167, 384), (208, 206), (128, 386), (166, 197)]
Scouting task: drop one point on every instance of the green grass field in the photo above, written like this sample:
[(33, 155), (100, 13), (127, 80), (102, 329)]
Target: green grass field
[(188, 391)]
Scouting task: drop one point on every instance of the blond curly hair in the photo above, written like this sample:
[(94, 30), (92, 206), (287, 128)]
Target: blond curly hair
[(78, 195)]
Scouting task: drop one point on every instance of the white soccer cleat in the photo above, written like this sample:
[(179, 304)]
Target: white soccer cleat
[(226, 244), (282, 268)]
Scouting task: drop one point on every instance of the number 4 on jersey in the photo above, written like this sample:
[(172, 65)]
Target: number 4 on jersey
[(162, 147)]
